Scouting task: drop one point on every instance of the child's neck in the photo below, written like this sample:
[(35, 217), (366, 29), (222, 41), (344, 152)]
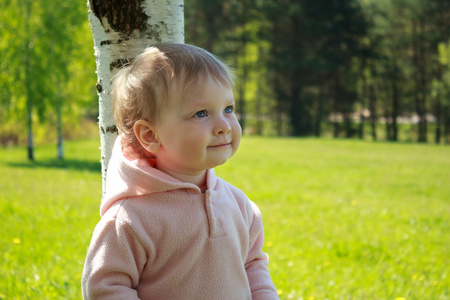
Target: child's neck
[(199, 180)]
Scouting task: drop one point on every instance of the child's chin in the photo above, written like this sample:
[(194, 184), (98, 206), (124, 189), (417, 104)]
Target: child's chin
[(219, 162)]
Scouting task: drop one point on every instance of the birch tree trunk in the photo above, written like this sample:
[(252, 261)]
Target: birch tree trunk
[(122, 29)]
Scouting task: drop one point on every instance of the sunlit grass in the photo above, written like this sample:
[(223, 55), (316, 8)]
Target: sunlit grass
[(347, 219), (47, 213), (344, 219)]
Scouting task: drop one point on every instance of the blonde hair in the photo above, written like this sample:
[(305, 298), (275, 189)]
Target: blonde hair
[(141, 88)]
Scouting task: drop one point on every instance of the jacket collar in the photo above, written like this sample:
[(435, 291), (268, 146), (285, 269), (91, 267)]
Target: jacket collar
[(127, 179)]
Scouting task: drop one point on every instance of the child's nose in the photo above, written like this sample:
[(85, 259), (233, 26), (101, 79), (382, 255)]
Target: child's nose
[(222, 126)]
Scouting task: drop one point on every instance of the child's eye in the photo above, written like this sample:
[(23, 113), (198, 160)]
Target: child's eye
[(200, 114), (229, 109)]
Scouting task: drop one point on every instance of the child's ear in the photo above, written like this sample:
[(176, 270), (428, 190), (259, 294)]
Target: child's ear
[(146, 135)]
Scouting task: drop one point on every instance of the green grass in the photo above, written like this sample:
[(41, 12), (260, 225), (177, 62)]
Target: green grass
[(47, 213), (344, 219)]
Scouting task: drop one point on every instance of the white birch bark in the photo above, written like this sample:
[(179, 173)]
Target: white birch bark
[(122, 29)]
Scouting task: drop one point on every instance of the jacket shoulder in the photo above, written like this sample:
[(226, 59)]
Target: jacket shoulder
[(247, 206)]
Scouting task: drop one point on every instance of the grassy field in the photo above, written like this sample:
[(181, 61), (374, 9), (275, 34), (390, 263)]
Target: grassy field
[(344, 219)]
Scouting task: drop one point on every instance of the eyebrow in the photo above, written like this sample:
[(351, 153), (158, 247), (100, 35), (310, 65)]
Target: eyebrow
[(198, 105)]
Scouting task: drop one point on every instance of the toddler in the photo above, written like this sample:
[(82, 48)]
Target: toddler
[(171, 229)]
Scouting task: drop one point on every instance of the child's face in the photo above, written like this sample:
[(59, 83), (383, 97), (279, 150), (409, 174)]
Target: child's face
[(198, 130)]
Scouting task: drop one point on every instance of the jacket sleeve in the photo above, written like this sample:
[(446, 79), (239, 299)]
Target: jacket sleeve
[(114, 262), (258, 275)]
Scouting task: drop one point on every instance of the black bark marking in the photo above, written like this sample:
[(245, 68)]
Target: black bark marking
[(110, 129), (153, 32), (123, 16), (99, 87), (108, 42), (119, 63)]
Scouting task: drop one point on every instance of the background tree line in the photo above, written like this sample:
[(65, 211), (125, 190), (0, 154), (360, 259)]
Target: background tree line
[(347, 68), (47, 79)]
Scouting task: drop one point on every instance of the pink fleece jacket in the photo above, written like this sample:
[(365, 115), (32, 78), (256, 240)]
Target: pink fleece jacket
[(160, 238)]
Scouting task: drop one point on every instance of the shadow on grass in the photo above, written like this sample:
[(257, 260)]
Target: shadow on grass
[(66, 164)]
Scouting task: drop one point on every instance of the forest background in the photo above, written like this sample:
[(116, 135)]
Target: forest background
[(362, 69)]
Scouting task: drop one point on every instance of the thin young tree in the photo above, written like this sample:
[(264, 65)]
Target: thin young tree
[(122, 29)]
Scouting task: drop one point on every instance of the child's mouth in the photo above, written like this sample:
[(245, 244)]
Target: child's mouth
[(220, 145)]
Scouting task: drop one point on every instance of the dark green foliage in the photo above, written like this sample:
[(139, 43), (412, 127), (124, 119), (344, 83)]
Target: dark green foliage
[(351, 68), (47, 68), (346, 62)]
